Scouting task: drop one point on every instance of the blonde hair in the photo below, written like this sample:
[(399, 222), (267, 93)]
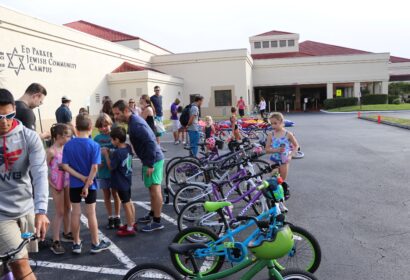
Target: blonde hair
[(277, 116), (209, 119), (102, 120)]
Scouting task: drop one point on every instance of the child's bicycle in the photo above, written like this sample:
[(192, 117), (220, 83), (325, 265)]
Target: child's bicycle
[(8, 256), (269, 245)]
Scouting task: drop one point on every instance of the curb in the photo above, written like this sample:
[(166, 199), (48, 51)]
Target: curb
[(386, 123), (365, 112)]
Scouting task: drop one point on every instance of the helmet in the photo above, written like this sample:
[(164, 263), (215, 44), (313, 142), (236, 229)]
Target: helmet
[(274, 248), (275, 190)]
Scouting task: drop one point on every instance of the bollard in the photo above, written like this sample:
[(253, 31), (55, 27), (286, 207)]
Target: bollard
[(358, 115), (379, 119)]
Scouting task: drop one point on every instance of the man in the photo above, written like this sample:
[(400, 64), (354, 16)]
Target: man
[(156, 99), (133, 106), (193, 126), (143, 141), (63, 113), (32, 98), (241, 107), (21, 152)]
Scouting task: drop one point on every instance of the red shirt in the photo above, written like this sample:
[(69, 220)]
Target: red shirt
[(241, 104)]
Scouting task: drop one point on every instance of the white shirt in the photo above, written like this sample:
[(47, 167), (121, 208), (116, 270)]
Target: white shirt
[(262, 105)]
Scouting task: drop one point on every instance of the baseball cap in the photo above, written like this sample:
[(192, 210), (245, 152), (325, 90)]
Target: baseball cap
[(65, 98)]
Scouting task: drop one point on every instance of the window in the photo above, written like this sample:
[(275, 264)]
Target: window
[(97, 98), (282, 43), (274, 44), (223, 97), (123, 93), (257, 45), (291, 43), (265, 44)]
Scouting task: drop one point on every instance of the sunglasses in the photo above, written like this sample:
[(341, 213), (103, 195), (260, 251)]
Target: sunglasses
[(8, 116)]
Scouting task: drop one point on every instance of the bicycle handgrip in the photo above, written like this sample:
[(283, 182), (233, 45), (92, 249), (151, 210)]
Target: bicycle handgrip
[(264, 185)]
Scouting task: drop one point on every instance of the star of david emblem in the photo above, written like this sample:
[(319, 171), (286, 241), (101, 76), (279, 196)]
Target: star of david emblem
[(16, 61)]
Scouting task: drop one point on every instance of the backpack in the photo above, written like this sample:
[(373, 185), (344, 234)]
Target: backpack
[(184, 118)]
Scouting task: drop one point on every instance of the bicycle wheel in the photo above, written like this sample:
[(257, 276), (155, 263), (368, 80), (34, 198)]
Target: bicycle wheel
[(151, 271), (296, 274), (194, 215), (306, 253), (181, 172), (224, 135), (172, 161), (188, 193), (209, 264)]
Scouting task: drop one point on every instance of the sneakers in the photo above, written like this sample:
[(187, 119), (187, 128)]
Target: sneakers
[(183, 142), (76, 248), (126, 232), (164, 150), (152, 227), (124, 227), (111, 223), (100, 247), (67, 237), (145, 220), (176, 142), (57, 248), (117, 222)]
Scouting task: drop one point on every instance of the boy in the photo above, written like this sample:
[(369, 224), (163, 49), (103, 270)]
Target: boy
[(120, 164), (81, 157)]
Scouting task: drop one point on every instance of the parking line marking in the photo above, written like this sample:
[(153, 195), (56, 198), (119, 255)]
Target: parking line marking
[(164, 216), (85, 268), (117, 252)]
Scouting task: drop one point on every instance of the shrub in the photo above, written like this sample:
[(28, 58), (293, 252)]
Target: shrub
[(392, 97), (340, 102), (374, 99), (397, 101)]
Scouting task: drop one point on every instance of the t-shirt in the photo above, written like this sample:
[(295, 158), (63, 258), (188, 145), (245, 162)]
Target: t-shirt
[(174, 113), (194, 111), (63, 114), (157, 101), (262, 105), (104, 140), (80, 154), (241, 104), (121, 168), (26, 115)]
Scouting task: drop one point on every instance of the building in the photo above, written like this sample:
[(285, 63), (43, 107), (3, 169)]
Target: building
[(88, 62)]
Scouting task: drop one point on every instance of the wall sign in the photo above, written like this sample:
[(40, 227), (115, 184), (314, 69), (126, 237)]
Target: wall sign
[(339, 92), (29, 58)]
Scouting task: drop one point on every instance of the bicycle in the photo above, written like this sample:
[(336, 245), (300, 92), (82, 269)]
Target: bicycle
[(8, 256)]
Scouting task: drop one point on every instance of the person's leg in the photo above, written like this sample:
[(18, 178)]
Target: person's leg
[(283, 171), (117, 202), (107, 201), (193, 140), (129, 213), (67, 210), (21, 269), (156, 200), (75, 222), (58, 198), (92, 222)]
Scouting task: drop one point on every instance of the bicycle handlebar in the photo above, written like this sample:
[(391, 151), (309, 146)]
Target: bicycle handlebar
[(27, 237)]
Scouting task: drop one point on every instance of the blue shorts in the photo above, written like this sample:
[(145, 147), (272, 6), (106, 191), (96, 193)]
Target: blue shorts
[(104, 184)]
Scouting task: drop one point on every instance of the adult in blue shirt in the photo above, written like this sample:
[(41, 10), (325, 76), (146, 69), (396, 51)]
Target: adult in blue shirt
[(63, 113), (143, 141), (156, 100)]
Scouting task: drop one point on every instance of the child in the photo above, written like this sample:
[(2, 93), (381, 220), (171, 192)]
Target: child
[(209, 131), (81, 157), (59, 181), (104, 124), (281, 144), (120, 164), (234, 125)]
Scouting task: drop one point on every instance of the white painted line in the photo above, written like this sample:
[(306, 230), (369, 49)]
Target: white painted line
[(117, 252), (112, 201), (94, 269), (163, 216)]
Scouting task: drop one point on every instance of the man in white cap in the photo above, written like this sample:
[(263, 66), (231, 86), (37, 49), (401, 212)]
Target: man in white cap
[(63, 113)]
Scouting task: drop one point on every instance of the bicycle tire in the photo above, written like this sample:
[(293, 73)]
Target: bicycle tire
[(187, 194), (296, 274), (181, 237), (289, 261), (172, 161), (150, 270), (171, 183), (194, 215)]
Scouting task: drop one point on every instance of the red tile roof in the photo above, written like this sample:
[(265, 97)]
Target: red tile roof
[(100, 31), (274, 32), (396, 59), (128, 67)]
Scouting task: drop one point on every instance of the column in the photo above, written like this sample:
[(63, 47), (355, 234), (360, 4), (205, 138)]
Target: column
[(329, 91), (356, 90), (298, 106), (385, 87)]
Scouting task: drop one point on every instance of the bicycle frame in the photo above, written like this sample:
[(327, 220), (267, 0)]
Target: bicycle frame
[(255, 264)]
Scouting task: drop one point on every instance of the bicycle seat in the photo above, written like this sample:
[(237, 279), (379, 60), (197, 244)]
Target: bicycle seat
[(213, 206), (185, 249)]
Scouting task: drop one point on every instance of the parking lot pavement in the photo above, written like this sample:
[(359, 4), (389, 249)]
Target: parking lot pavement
[(351, 191)]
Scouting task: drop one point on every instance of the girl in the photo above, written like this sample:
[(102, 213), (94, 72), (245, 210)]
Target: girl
[(59, 182), (104, 124), (209, 131), (281, 143), (234, 125), (148, 112)]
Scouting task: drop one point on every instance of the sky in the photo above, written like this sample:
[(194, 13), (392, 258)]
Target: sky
[(190, 25)]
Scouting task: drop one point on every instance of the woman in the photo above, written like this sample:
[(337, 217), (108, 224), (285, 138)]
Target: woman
[(175, 121), (107, 108), (148, 112), (262, 107)]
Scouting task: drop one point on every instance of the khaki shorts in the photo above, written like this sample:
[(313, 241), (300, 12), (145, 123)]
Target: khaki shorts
[(10, 235)]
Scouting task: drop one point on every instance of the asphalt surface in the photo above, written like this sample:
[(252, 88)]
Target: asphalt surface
[(351, 191)]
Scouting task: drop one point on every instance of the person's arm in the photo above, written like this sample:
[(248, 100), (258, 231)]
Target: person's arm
[(96, 160), (38, 167), (106, 154), (194, 113), (73, 173), (141, 136), (295, 144), (268, 146), (50, 156), (213, 129)]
